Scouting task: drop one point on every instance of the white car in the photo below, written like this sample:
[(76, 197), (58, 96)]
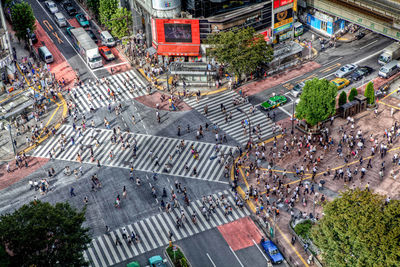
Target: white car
[(345, 70), (51, 6)]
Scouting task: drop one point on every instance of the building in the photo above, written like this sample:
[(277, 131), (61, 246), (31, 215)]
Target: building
[(176, 28), (6, 55)]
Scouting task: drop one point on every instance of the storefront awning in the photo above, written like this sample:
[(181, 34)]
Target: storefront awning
[(178, 50)]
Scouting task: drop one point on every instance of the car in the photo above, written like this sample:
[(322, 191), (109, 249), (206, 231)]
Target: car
[(361, 72), (157, 261), (33, 38), (133, 264), (345, 70), (69, 8), (60, 19), (340, 82), (82, 20), (69, 30), (51, 6), (106, 53), (297, 89), (92, 35), (274, 102), (272, 251)]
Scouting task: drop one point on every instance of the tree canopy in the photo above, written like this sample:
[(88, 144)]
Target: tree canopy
[(120, 23), (240, 50), (342, 98), (353, 94), (370, 93), (317, 101), (22, 19), (359, 229), (39, 234), (106, 9)]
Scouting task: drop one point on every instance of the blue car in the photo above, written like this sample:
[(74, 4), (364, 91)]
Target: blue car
[(272, 251), (82, 20)]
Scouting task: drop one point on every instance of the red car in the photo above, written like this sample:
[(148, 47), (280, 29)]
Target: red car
[(106, 53)]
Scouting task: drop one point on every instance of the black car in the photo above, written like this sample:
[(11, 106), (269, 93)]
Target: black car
[(361, 72), (34, 38), (92, 35), (69, 8)]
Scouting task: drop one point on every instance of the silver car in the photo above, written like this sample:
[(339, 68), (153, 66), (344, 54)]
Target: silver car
[(345, 70), (297, 89), (51, 6)]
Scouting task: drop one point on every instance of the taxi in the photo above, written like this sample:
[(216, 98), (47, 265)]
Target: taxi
[(340, 82)]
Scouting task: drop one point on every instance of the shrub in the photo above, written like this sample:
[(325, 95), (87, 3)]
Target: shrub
[(342, 98), (303, 229), (369, 93), (353, 93), (177, 257)]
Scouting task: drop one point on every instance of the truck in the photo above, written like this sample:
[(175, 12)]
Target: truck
[(86, 47), (390, 53)]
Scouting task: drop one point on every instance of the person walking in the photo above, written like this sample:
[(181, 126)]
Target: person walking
[(124, 193), (71, 192)]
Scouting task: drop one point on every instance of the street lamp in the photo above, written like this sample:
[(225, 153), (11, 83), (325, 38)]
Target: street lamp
[(292, 132), (29, 40), (12, 140), (248, 119)]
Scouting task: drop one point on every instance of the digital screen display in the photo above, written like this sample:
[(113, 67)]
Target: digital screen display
[(178, 33)]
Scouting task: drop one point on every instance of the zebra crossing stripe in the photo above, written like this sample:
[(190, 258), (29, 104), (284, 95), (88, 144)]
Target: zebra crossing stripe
[(99, 96), (234, 127), (153, 232), (208, 167)]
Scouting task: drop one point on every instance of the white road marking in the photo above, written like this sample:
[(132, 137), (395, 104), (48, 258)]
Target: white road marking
[(237, 258), (287, 112), (110, 66), (211, 260), (330, 62), (262, 252), (368, 44)]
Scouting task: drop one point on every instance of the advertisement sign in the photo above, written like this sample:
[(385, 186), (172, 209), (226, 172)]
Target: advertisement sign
[(178, 33), (153, 32), (283, 17), (279, 3), (165, 4), (172, 31), (283, 28)]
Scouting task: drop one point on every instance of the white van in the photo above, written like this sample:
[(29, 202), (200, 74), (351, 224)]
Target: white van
[(45, 54), (107, 39), (389, 69)]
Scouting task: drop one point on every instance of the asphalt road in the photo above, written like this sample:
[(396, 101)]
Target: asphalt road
[(364, 52), (64, 42)]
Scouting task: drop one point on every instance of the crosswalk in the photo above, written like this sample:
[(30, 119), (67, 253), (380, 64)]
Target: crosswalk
[(96, 96), (234, 126), (153, 231), (209, 164)]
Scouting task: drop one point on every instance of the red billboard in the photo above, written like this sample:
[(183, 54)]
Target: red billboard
[(176, 37), (279, 3)]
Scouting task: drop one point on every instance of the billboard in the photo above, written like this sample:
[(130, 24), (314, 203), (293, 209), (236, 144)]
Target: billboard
[(283, 18), (279, 3), (165, 4), (178, 33), (183, 31)]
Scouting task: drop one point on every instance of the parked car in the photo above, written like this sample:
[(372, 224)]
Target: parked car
[(361, 72), (274, 102), (345, 70), (69, 8), (82, 20), (51, 6), (69, 30), (157, 261), (272, 251), (133, 264), (340, 82), (106, 53), (92, 35)]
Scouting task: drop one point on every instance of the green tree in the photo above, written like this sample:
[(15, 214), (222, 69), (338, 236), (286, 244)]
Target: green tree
[(342, 98), (317, 101), (370, 93), (359, 229), (39, 234), (4, 257), (240, 50), (107, 8), (353, 94), (93, 5), (22, 19), (120, 23)]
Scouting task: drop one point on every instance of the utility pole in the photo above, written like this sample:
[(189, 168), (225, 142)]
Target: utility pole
[(12, 140), (292, 132)]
